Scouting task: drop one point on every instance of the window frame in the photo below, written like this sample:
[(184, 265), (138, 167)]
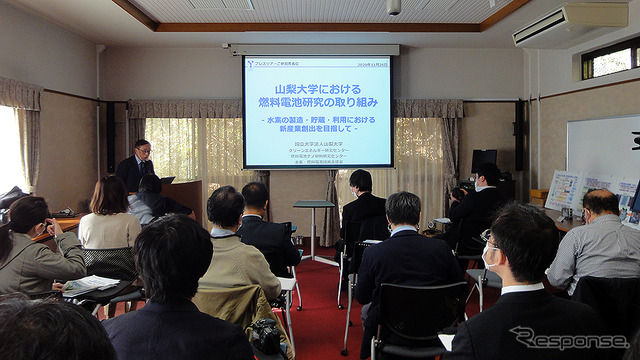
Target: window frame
[(588, 58)]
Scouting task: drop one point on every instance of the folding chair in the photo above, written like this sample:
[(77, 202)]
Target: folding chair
[(616, 300), (351, 234), (370, 228), (117, 264), (353, 278), (412, 316), (483, 278)]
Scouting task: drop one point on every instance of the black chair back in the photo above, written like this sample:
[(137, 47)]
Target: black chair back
[(115, 263), (351, 235), (617, 300), (357, 255), (374, 228), (418, 313)]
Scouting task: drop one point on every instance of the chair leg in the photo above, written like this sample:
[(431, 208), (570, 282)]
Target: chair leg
[(293, 271), (480, 292), (345, 351), (341, 273), (373, 348)]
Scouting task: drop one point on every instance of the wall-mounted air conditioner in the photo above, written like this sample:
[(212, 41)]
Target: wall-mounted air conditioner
[(572, 24)]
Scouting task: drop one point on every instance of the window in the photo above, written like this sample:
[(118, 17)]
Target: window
[(418, 169), (612, 59), (12, 174), (191, 149)]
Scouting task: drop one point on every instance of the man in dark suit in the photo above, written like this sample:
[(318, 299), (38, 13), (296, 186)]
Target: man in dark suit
[(273, 240), (474, 213), (364, 206), (172, 253), (131, 169), (406, 258), (527, 321)]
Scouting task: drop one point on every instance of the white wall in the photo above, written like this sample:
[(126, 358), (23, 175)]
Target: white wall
[(468, 74), (38, 52), (214, 73)]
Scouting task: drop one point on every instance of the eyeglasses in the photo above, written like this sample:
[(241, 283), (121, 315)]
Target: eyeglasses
[(485, 236), (144, 151)]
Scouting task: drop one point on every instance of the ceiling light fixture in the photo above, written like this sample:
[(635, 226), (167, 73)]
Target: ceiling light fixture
[(393, 7)]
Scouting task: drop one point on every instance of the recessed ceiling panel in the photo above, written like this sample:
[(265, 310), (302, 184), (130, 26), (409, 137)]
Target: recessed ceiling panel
[(317, 11)]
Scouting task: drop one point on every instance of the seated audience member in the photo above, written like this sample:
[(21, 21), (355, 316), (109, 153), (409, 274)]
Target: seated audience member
[(108, 226), (52, 330), (406, 258), (171, 254), (521, 323), (474, 213), (148, 204), (365, 205), (131, 169), (601, 248), (273, 240), (234, 263), (27, 266)]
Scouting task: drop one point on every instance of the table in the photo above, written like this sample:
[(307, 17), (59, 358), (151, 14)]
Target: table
[(564, 225), (287, 285), (313, 204), (66, 224)]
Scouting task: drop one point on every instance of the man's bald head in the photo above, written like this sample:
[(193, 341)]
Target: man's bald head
[(601, 202)]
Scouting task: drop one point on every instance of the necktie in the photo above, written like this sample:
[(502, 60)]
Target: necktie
[(142, 167)]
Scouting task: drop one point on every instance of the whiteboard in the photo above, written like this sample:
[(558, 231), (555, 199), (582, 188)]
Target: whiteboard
[(603, 146)]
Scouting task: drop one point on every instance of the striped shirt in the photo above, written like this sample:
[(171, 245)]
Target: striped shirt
[(604, 248)]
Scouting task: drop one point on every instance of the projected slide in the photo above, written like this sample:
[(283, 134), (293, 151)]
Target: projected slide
[(317, 112)]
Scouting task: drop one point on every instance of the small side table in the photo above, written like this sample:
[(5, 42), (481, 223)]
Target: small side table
[(313, 204)]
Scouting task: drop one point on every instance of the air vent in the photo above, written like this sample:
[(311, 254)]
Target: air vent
[(221, 4), (439, 5)]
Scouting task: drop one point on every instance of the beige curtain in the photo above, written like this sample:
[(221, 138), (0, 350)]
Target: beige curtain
[(449, 157), (419, 156), (331, 224), (136, 132), (29, 123), (25, 98), (264, 176)]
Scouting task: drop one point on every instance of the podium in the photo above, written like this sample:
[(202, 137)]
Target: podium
[(313, 205)]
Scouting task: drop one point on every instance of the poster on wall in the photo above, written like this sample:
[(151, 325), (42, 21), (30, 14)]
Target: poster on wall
[(568, 188)]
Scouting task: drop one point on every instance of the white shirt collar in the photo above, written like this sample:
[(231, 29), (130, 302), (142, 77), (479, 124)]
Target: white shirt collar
[(138, 160), (215, 232), (403, 228), (255, 215), (522, 288), (480, 188)]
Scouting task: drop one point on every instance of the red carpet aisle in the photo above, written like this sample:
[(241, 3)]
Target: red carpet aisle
[(318, 330)]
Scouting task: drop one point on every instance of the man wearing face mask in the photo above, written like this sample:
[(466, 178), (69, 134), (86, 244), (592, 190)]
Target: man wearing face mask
[(526, 319), (602, 248), (475, 212)]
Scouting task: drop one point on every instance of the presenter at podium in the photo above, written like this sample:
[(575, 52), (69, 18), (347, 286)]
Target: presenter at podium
[(131, 169)]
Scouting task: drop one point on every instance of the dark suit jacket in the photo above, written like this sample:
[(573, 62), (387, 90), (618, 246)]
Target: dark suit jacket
[(473, 215), (129, 172), (406, 258), (176, 330), (273, 241), (493, 333), (364, 206)]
